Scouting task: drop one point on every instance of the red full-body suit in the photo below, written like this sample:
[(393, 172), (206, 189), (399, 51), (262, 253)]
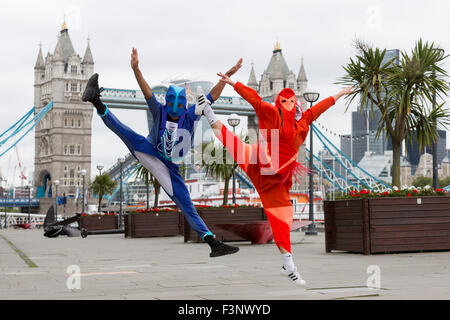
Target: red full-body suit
[(271, 171)]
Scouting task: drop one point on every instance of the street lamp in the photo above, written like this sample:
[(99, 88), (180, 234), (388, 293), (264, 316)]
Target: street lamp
[(311, 96), (83, 173), (440, 53), (121, 162), (100, 168), (234, 121), (56, 198)]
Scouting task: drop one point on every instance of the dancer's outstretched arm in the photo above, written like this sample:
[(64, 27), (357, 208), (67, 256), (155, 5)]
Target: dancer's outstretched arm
[(265, 111), (146, 90), (315, 111), (218, 88), (247, 93)]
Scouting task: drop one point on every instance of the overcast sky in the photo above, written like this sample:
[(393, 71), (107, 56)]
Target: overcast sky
[(199, 39)]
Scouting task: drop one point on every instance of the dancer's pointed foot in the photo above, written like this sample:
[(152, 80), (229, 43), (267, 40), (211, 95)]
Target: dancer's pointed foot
[(92, 91), (293, 275), (200, 104)]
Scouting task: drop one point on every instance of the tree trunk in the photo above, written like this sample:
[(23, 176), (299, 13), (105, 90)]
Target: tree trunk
[(157, 190), (396, 155), (225, 191), (100, 197), (148, 194)]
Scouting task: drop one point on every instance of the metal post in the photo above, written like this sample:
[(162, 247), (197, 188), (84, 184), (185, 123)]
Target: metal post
[(311, 228), (56, 201), (234, 176), (434, 145), (29, 204), (83, 196), (5, 197), (120, 198)]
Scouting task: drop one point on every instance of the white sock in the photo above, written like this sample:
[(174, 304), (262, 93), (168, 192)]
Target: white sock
[(288, 262), (209, 114)]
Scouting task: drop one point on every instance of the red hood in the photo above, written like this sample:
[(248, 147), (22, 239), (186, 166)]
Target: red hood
[(285, 93)]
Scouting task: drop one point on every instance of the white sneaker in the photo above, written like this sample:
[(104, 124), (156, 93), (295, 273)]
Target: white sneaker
[(294, 276), (200, 105)]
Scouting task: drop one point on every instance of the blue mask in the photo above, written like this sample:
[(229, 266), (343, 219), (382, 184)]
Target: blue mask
[(176, 101)]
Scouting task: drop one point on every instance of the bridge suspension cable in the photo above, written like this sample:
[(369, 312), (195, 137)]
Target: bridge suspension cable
[(352, 168), (22, 125)]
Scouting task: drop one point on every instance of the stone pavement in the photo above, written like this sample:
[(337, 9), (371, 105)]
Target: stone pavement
[(167, 268)]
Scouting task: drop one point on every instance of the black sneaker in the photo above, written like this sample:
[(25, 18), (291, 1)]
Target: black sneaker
[(222, 249), (92, 91), (219, 248)]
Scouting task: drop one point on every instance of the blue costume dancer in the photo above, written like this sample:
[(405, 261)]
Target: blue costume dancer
[(169, 140)]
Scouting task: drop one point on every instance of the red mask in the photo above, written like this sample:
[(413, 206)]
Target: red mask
[(287, 100)]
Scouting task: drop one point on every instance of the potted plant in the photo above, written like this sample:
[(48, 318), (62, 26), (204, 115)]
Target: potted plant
[(153, 222), (390, 220), (100, 221)]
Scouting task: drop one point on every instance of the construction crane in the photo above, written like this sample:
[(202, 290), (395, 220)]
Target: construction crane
[(22, 176)]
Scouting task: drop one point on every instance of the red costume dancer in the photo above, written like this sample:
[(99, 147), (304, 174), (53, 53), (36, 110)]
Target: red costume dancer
[(272, 163)]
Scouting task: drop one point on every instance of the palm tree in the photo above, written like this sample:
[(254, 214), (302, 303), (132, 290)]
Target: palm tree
[(143, 173), (403, 91), (219, 167), (102, 185)]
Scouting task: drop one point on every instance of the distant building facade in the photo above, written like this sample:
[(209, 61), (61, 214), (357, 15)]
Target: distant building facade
[(63, 136)]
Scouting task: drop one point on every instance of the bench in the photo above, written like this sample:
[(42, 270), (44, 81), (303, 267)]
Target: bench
[(258, 232)]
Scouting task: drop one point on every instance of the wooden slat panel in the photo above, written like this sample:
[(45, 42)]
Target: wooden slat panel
[(344, 203), (400, 221), (409, 234), (347, 247), (415, 240), (347, 216), (439, 207), (342, 235), (352, 242), (340, 211), (348, 222), (407, 201), (339, 229), (411, 247), (411, 227), (412, 213)]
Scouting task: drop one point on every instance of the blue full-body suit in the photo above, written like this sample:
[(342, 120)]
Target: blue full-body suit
[(155, 151)]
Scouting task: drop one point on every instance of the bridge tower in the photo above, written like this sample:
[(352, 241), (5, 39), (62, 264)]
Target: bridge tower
[(63, 137)]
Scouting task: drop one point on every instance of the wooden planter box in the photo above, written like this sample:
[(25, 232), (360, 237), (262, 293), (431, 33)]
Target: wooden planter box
[(213, 216), (384, 225), (163, 224), (96, 223)]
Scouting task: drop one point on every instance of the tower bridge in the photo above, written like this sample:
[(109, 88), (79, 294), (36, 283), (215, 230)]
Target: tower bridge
[(134, 100)]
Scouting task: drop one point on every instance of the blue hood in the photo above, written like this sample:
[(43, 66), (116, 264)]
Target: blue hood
[(176, 101)]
